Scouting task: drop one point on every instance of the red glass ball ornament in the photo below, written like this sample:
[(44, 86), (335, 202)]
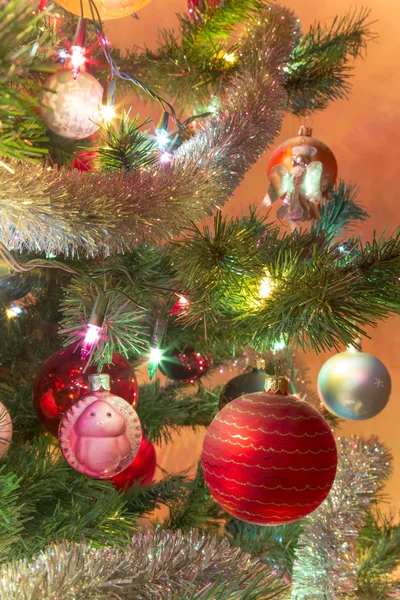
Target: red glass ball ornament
[(141, 470), (283, 154), (269, 458), (184, 364), (61, 382), (84, 160)]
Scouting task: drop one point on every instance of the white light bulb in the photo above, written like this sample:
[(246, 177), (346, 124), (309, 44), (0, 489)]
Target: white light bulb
[(162, 138), (155, 355)]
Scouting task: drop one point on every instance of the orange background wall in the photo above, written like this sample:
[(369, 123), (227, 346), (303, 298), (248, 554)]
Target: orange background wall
[(364, 134)]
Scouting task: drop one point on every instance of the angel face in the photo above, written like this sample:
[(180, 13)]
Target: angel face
[(100, 419)]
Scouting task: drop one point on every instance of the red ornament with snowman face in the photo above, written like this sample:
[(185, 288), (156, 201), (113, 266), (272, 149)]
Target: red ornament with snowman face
[(100, 435)]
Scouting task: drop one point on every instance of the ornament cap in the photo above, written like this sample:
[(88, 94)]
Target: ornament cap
[(277, 384), (99, 381), (306, 131), (355, 346)]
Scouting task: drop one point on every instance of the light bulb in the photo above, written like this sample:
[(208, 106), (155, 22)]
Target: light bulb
[(77, 59), (166, 157), (107, 113), (63, 54), (230, 57), (92, 335), (162, 138), (155, 355), (279, 345), (266, 287), (13, 311)]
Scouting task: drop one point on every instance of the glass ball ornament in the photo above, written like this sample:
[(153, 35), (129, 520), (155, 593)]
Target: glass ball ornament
[(71, 107), (354, 385), (141, 470), (283, 155), (245, 383), (6, 430), (184, 364), (61, 382), (104, 9), (269, 458), (15, 286), (100, 435)]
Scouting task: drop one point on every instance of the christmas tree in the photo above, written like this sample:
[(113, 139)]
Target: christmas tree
[(108, 269)]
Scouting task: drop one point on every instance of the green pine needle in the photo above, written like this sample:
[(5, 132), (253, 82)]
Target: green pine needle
[(320, 66), (124, 147)]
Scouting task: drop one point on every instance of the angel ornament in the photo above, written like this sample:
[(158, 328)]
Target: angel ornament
[(299, 188)]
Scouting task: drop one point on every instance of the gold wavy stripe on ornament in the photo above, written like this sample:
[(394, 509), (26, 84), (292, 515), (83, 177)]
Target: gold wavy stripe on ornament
[(308, 504), (235, 512), (282, 451), (286, 417), (266, 487), (66, 211), (273, 432), (272, 467)]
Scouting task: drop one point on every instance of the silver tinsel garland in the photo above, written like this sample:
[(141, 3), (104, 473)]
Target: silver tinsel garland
[(69, 212), (158, 566), (326, 561)]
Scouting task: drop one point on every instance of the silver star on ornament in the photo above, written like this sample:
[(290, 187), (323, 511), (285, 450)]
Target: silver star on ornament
[(379, 383)]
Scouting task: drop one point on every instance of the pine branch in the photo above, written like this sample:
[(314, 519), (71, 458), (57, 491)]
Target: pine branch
[(320, 298), (143, 500), (218, 20), (379, 555), (25, 48), (273, 545), (339, 212), (126, 331), (196, 509), (191, 65), (164, 410), (124, 147), (47, 492), (11, 520), (320, 67), (241, 589)]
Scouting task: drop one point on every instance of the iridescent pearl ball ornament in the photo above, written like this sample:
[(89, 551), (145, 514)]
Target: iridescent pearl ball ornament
[(354, 385), (103, 9), (6, 430), (71, 106), (269, 458), (101, 434)]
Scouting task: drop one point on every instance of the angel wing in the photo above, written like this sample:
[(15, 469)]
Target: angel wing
[(281, 183), (310, 187)]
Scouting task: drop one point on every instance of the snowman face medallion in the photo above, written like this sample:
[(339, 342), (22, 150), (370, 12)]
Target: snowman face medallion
[(100, 435)]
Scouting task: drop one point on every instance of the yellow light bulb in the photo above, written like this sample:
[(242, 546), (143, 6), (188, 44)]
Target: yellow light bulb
[(266, 287), (13, 311), (107, 113), (230, 57)]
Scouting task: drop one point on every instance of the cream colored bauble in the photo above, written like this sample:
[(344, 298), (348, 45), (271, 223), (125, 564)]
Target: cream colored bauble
[(71, 106), (105, 9), (6, 430)]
